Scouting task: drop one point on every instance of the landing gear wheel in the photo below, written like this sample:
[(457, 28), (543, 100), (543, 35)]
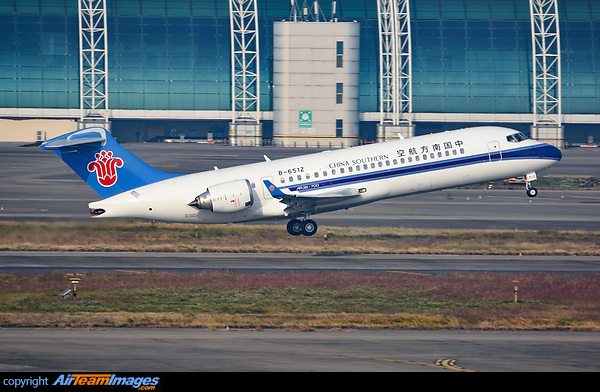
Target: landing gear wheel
[(532, 192), (309, 227), (295, 227)]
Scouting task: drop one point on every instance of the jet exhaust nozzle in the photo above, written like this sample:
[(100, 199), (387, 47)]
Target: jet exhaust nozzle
[(94, 212)]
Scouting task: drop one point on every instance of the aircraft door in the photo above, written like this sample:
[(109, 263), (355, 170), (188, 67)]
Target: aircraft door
[(266, 193), (494, 151)]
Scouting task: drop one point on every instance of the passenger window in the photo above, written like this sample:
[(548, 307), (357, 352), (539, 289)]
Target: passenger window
[(342, 170), (350, 169), (333, 172), (282, 180), (316, 174)]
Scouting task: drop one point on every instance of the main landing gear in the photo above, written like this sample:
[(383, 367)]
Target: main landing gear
[(306, 227)]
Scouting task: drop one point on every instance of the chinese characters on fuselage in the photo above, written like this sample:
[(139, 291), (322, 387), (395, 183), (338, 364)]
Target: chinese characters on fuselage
[(436, 147)]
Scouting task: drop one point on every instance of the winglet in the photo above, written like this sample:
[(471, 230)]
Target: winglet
[(273, 190)]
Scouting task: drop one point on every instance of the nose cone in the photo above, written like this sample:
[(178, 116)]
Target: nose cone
[(553, 153)]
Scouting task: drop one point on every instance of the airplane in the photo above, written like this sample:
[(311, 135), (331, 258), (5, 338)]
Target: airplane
[(299, 187)]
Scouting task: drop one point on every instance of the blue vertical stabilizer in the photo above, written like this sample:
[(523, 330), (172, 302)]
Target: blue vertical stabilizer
[(101, 162)]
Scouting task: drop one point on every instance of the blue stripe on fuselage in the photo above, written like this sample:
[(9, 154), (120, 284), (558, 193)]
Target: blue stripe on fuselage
[(541, 151)]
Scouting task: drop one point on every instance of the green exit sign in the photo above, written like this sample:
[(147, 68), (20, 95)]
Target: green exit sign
[(305, 119)]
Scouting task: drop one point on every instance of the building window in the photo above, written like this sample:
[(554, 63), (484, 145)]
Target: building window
[(339, 128), (339, 92), (339, 54)]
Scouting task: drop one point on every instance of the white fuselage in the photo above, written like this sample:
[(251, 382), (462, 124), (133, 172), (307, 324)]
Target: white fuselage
[(379, 171)]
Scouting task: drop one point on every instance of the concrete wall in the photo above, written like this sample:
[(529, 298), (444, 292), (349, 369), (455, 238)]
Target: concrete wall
[(305, 76), (27, 130)]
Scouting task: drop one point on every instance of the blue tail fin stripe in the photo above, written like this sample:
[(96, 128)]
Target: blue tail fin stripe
[(102, 163)]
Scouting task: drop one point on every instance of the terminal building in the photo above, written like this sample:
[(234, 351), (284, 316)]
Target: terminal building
[(299, 73)]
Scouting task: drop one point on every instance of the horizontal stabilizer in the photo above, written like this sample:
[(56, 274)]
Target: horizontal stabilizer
[(78, 138)]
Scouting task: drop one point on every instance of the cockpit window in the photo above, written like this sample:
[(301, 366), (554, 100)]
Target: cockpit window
[(517, 137)]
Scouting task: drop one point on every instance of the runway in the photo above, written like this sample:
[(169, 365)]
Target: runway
[(201, 350), (35, 262)]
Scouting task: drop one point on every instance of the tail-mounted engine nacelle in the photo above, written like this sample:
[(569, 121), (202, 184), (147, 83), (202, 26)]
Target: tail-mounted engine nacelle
[(230, 196)]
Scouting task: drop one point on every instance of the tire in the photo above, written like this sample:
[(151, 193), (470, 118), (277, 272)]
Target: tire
[(532, 192), (295, 227), (309, 227)]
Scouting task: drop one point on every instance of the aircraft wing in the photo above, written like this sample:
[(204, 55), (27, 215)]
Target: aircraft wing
[(309, 203)]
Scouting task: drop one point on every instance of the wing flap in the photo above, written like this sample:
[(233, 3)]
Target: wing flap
[(334, 194)]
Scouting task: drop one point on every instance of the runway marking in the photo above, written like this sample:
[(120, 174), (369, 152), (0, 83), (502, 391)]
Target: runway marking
[(130, 271), (408, 273), (449, 363)]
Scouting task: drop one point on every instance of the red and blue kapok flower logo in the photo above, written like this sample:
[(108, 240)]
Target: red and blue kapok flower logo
[(105, 167)]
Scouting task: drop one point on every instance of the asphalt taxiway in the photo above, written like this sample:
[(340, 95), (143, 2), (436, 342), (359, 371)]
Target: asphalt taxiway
[(35, 262), (197, 350)]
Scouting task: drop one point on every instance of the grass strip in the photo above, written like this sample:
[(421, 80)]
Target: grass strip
[(303, 301), (135, 236)]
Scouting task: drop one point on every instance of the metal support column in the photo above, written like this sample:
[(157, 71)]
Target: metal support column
[(93, 64), (245, 128), (395, 70), (545, 36)]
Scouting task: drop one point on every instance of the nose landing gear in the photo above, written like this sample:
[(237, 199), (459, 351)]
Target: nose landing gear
[(306, 227), (531, 191)]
